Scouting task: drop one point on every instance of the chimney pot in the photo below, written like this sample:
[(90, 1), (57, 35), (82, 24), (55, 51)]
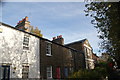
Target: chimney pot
[(59, 40), (60, 36), (57, 37), (54, 38), (26, 18)]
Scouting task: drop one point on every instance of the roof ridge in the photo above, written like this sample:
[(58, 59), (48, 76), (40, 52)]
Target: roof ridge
[(76, 42), (36, 36)]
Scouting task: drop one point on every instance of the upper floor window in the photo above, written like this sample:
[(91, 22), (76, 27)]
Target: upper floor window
[(1, 30), (88, 52), (70, 53), (48, 49), (26, 42)]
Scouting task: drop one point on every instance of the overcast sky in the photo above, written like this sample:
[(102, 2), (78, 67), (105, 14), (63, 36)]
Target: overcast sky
[(53, 19)]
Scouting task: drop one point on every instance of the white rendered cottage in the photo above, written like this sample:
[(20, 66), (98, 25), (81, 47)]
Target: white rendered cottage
[(19, 53)]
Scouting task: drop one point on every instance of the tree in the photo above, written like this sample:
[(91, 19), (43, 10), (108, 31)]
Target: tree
[(37, 32), (106, 19)]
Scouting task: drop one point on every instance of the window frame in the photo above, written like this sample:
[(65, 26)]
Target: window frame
[(25, 71), (5, 72), (26, 42), (49, 72), (48, 48)]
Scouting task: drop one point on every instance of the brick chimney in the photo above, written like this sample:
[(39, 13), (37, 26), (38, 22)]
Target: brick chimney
[(59, 39), (24, 24)]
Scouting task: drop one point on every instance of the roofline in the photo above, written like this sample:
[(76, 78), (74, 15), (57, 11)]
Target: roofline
[(76, 42), (37, 36), (95, 55)]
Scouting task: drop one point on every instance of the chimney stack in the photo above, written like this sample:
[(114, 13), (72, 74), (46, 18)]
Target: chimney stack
[(24, 19), (58, 40), (24, 24)]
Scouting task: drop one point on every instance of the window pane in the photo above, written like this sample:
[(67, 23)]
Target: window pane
[(48, 48), (25, 71), (49, 72), (26, 42)]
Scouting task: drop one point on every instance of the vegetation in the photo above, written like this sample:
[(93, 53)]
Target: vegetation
[(106, 20), (97, 73), (37, 32), (100, 72)]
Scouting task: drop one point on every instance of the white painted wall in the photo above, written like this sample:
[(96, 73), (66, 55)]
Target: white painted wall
[(11, 51), (89, 60)]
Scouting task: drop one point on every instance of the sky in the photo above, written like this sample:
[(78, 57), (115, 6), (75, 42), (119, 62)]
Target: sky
[(53, 19)]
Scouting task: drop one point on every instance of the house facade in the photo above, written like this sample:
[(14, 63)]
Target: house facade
[(19, 53), (26, 55), (57, 60), (86, 49)]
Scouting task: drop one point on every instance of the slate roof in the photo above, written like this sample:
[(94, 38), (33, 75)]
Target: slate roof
[(80, 41)]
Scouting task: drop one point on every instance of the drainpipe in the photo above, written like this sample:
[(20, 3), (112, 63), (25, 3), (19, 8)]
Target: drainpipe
[(40, 57)]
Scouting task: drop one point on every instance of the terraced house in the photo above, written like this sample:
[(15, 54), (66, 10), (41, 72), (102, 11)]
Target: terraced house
[(24, 54)]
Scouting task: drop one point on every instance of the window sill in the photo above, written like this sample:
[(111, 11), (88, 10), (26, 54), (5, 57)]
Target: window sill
[(48, 55)]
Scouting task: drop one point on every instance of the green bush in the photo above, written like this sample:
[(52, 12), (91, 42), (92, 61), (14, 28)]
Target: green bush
[(97, 73)]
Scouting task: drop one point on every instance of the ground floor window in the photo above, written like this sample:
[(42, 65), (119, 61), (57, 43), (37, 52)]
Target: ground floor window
[(66, 72), (5, 72), (25, 71), (49, 72), (71, 69)]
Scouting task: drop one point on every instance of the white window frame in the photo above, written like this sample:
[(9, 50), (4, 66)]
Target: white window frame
[(26, 42), (49, 72), (25, 70), (48, 48)]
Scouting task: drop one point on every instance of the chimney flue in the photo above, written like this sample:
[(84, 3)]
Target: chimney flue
[(54, 38), (58, 39), (60, 36)]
